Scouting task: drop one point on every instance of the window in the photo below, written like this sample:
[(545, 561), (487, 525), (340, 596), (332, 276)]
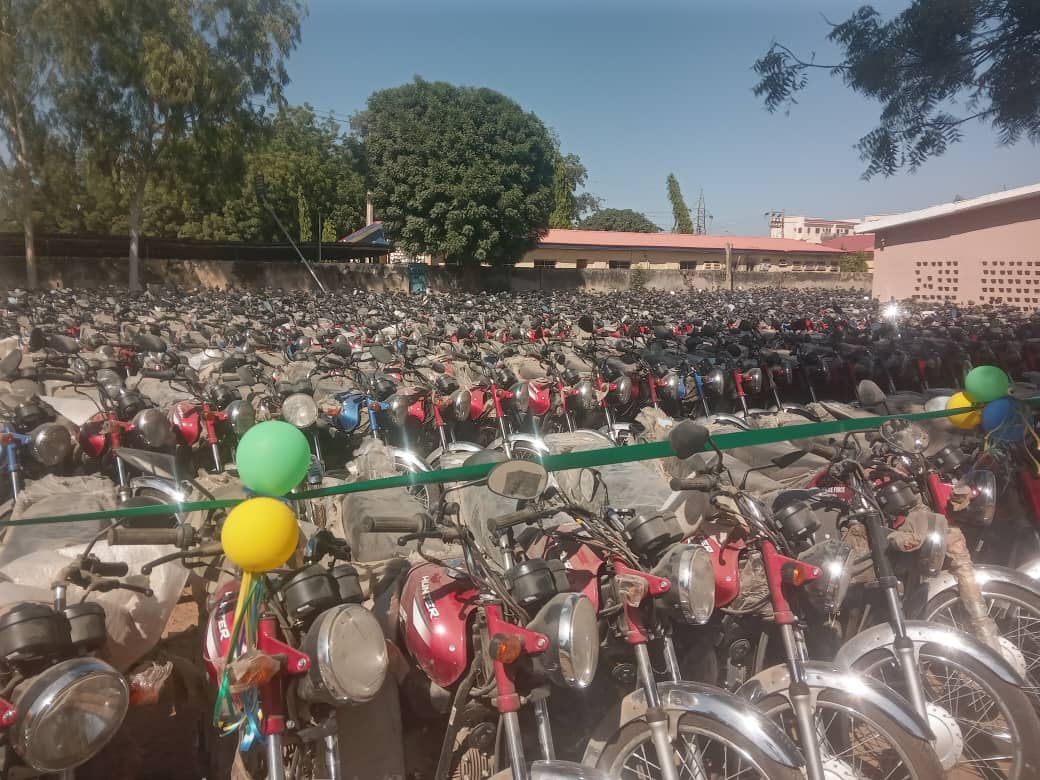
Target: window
[(817, 231), (687, 265), (580, 264), (544, 263), (622, 265), (798, 230)]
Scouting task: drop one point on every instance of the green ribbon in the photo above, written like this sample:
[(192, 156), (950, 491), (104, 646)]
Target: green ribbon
[(572, 460)]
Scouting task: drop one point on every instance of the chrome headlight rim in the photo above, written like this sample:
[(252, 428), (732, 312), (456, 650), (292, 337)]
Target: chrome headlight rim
[(932, 553), (585, 392), (300, 410), (752, 381), (460, 404), (43, 694), (241, 416), (622, 392), (50, 444), (521, 397), (834, 559), (571, 623), (689, 569), (715, 381), (154, 428), (350, 657), (397, 408)]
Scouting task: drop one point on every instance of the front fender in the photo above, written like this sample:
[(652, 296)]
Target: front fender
[(172, 491), (708, 702), (1031, 569), (1021, 578), (819, 676), (725, 419), (951, 642), (536, 443), (455, 446), (409, 459)]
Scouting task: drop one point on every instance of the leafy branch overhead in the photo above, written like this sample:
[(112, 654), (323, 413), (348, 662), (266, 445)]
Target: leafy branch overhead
[(933, 67)]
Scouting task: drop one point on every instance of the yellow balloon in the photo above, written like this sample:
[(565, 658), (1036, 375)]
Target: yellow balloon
[(968, 420), (260, 534)]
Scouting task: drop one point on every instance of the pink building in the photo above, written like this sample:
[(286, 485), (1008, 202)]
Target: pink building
[(983, 250)]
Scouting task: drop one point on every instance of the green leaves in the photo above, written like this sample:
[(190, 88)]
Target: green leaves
[(933, 67), (680, 211), (458, 172), (619, 219)]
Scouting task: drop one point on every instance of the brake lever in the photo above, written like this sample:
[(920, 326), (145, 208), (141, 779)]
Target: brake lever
[(204, 551)]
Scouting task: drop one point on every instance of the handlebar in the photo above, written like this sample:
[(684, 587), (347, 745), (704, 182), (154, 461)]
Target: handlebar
[(824, 451), (703, 482), (507, 521), (393, 525), (110, 568), (182, 536)]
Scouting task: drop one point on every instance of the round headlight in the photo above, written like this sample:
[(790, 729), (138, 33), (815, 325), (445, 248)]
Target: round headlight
[(154, 428), (68, 713), (623, 390), (585, 394), (398, 409), (350, 658), (834, 560), (50, 444), (241, 415), (521, 397), (692, 595), (715, 381), (974, 499), (752, 381), (110, 382), (300, 410), (674, 387), (569, 620), (933, 546), (461, 403)]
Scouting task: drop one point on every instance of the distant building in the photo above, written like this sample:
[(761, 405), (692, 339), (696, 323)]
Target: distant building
[(854, 244), (981, 250), (605, 249), (811, 229)]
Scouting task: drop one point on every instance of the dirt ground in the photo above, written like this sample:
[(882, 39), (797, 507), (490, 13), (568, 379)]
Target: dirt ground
[(162, 741)]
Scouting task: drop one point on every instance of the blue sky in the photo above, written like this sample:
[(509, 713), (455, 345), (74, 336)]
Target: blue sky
[(643, 88)]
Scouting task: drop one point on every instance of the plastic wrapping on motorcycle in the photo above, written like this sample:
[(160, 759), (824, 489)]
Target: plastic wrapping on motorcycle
[(32, 555)]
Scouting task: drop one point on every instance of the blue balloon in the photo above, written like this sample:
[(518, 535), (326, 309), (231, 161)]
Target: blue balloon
[(1002, 420)]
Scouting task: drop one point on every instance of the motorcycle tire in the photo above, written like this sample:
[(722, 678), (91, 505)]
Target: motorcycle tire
[(1010, 606), (620, 760), (916, 757), (1015, 708)]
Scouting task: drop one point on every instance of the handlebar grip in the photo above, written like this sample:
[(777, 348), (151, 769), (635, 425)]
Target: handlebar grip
[(391, 525), (702, 482), (157, 375), (111, 569), (182, 536), (503, 522)]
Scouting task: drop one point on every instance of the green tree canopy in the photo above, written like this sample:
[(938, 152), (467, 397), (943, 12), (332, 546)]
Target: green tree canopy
[(459, 172), (680, 211), (619, 219), (569, 206), (142, 80), (933, 67)]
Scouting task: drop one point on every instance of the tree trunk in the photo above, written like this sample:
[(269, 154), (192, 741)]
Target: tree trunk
[(25, 195), (136, 208), (31, 275)]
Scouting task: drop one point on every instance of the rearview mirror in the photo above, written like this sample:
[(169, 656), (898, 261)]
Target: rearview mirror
[(519, 479), (688, 438), (586, 324)]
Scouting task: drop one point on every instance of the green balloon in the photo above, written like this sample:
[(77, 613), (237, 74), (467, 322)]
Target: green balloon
[(986, 383), (273, 457)]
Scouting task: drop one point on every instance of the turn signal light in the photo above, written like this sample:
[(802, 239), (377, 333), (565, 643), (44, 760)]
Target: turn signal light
[(506, 648)]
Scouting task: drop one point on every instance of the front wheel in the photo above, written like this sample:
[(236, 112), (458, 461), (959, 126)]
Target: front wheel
[(857, 740), (704, 750), (999, 732), (427, 494)]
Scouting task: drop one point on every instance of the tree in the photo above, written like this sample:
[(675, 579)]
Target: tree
[(144, 80), (619, 219), (854, 262), (680, 211), (568, 206), (462, 173), (979, 55), (24, 57)]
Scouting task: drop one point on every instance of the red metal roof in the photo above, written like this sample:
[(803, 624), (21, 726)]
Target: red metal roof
[(608, 239), (863, 242)]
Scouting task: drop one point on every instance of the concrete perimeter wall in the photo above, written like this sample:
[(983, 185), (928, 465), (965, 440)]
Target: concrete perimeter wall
[(190, 274)]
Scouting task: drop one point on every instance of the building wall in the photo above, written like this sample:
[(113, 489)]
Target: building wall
[(991, 255), (677, 260), (215, 274), (813, 230)]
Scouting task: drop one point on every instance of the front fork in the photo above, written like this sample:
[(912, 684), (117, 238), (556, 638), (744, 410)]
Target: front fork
[(802, 704)]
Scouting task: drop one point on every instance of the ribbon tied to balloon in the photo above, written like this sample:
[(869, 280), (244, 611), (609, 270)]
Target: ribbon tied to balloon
[(258, 536)]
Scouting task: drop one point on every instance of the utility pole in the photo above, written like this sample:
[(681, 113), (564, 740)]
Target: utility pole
[(729, 264)]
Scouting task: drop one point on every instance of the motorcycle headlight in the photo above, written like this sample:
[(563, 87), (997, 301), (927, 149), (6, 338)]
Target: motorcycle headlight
[(753, 381), (154, 428), (715, 381), (68, 713), (585, 393), (300, 409), (933, 546), (50, 444), (110, 382), (834, 559), (241, 415), (460, 404), (398, 409), (974, 499), (692, 595), (521, 397), (348, 648), (569, 620), (674, 387), (623, 390)]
